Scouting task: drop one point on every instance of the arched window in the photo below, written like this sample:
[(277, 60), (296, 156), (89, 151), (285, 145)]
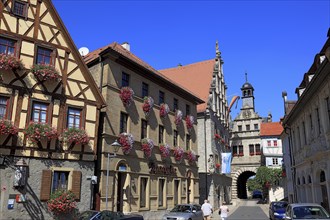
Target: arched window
[(322, 177), (298, 181), (309, 179), (303, 180)]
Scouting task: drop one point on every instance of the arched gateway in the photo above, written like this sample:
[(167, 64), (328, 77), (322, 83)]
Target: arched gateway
[(239, 178)]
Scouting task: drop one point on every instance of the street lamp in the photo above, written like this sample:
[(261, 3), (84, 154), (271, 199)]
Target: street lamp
[(116, 146)]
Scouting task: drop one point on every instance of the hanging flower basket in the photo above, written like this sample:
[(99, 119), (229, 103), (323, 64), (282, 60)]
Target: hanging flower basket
[(62, 202), (45, 72), (146, 145), (75, 136), (126, 95), (164, 150), (178, 153), (148, 103), (126, 141), (178, 117), (36, 131), (218, 165), (7, 127), (189, 122), (164, 110), (191, 156)]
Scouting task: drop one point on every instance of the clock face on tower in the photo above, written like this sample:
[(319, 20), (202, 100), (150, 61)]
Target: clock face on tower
[(248, 102)]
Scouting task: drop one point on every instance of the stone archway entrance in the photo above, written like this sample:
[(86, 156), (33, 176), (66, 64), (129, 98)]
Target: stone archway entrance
[(239, 188)]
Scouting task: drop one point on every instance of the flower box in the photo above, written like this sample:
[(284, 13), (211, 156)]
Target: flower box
[(178, 153), (36, 131), (126, 95), (251, 154), (126, 141), (75, 136), (148, 103), (189, 122), (178, 117), (164, 150), (45, 72), (258, 153), (61, 202), (147, 145), (7, 127), (8, 62), (191, 156), (164, 110)]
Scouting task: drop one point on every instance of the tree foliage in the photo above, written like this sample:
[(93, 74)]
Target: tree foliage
[(264, 175)]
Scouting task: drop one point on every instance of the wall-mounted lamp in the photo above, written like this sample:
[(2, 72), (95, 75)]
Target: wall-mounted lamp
[(21, 173)]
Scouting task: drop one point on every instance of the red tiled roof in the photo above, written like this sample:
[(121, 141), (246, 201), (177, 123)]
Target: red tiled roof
[(126, 53), (196, 77), (271, 129)]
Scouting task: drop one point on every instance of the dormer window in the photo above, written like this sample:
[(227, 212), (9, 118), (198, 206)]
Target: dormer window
[(20, 8)]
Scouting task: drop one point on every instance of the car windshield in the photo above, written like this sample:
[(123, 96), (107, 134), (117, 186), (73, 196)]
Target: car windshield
[(181, 208), (280, 205), (310, 212), (87, 215)]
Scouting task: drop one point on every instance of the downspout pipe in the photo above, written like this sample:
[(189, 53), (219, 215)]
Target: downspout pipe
[(205, 149), (292, 162)]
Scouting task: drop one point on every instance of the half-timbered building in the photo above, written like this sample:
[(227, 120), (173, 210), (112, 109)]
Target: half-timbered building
[(49, 112)]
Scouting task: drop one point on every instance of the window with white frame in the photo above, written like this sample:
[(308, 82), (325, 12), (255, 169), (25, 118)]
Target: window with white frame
[(74, 118), (39, 112), (275, 143)]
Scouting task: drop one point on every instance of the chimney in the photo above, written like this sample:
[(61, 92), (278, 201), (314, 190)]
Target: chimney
[(126, 46)]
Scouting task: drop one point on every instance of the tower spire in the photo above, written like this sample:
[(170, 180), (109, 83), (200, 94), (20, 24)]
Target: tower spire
[(246, 76)]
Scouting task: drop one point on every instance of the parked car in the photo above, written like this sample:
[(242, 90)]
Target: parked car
[(108, 215), (185, 212), (305, 211), (277, 210), (256, 194)]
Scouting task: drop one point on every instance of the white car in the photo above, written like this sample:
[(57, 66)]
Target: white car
[(185, 212), (305, 211)]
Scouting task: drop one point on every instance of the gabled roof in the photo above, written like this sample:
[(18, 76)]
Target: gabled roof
[(196, 77), (271, 129), (77, 57), (94, 56)]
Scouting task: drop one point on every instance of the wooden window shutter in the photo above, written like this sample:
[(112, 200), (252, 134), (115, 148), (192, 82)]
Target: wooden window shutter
[(46, 183), (76, 183)]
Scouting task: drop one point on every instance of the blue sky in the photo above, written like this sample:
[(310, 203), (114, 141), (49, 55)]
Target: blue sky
[(273, 41)]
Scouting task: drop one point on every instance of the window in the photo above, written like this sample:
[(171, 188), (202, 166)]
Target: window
[(275, 143), (188, 142), (60, 180), (256, 127), (311, 121), (187, 109), (175, 104), (144, 125), (145, 89), (124, 80), (235, 151), (176, 191), (239, 127), (123, 122), (240, 150), (328, 107), (251, 149), (7, 46), (74, 118), (143, 192), (269, 143), (161, 193), (44, 56), (275, 161), (19, 8), (3, 107), (258, 150), (39, 112), (304, 132), (161, 134), (248, 127), (161, 98), (175, 138), (318, 120)]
